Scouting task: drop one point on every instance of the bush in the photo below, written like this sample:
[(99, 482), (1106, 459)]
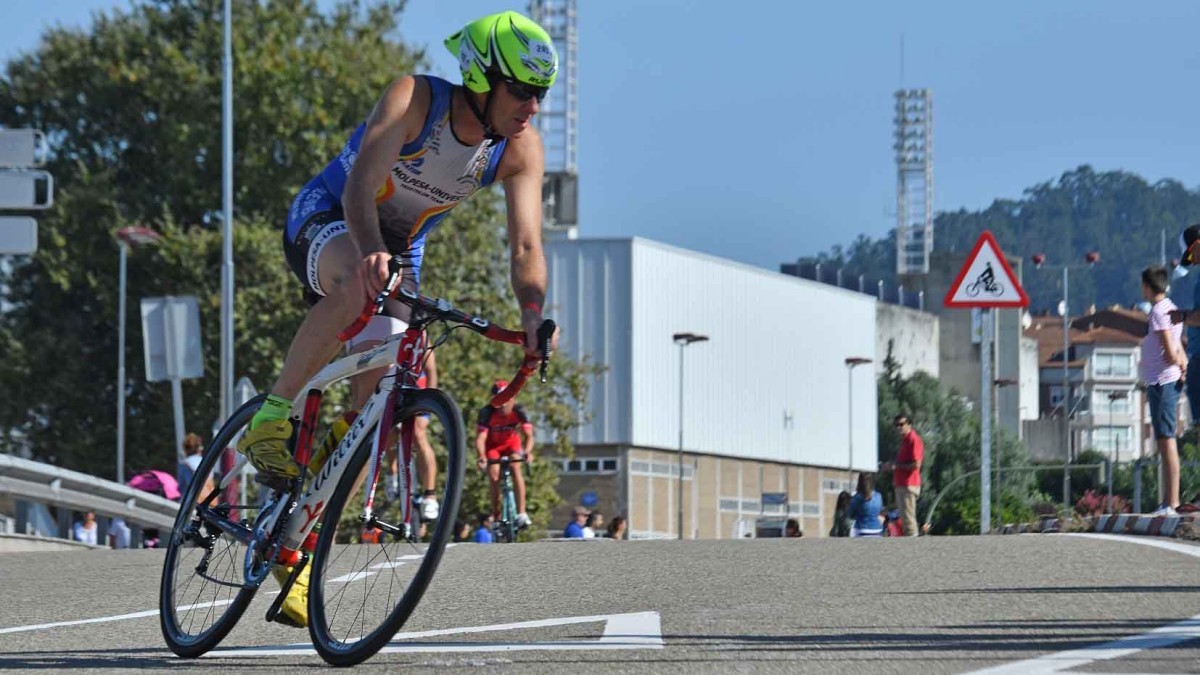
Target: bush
[(1095, 504)]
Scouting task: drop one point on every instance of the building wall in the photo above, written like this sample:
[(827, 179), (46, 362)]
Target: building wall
[(913, 335), (722, 495), (771, 383)]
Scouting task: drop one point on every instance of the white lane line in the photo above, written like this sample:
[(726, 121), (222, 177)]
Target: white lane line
[(1165, 636), (638, 630), (106, 619), (353, 576)]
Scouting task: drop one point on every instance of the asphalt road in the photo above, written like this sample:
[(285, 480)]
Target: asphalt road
[(929, 605)]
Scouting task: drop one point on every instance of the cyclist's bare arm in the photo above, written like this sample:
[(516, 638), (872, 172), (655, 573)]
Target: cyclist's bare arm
[(527, 432), (481, 446), (396, 120), (521, 170)]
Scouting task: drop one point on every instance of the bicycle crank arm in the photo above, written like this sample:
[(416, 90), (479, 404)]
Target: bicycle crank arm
[(273, 610)]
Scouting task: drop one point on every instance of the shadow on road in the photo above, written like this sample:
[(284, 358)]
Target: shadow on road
[(130, 659), (1056, 590)]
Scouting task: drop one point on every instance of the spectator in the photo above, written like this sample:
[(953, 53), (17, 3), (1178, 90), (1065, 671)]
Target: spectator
[(574, 530), (193, 450), (616, 528), (118, 533), (595, 521), (793, 528), (85, 530), (842, 523), (483, 534), (462, 531), (906, 473), (1163, 366), (865, 507), (1187, 294)]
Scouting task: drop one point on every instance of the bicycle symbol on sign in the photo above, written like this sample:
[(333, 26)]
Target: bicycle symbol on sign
[(986, 283)]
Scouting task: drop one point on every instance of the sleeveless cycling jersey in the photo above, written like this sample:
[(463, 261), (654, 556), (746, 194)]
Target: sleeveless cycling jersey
[(502, 428), (429, 177)]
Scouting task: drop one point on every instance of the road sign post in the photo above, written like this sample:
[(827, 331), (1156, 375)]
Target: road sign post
[(171, 332), (986, 282), (23, 187)]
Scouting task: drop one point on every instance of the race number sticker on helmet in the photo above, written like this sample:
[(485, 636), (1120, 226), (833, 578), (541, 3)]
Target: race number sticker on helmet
[(505, 45)]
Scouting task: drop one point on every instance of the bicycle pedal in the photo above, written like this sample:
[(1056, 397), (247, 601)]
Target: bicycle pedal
[(277, 605)]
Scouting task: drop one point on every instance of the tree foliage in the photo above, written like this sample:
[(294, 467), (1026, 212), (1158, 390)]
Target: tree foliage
[(132, 108), (950, 430)]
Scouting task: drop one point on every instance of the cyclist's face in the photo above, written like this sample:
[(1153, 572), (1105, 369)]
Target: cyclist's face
[(507, 408), (512, 113)]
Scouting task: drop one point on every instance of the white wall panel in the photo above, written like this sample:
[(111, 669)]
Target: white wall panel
[(589, 296), (777, 348)]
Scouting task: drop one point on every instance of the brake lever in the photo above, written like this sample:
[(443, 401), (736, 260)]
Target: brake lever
[(544, 333)]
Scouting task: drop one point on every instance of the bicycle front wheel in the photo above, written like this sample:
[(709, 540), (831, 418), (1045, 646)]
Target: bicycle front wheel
[(366, 581), (202, 594)]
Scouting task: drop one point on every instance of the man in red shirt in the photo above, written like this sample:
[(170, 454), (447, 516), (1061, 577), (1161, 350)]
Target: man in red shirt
[(906, 473), (498, 433)]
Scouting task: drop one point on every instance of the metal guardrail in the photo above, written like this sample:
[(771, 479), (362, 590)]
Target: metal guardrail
[(54, 486)]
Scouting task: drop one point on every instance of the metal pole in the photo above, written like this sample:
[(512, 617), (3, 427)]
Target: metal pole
[(850, 435), (985, 431), (227, 220), (679, 496), (1113, 466), (1066, 395), (121, 365)]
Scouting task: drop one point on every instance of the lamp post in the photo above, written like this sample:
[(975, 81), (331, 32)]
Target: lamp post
[(126, 238), (1000, 383), (852, 362), (1039, 260), (1113, 396), (683, 340)]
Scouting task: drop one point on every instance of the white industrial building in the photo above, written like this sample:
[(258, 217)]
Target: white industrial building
[(767, 404)]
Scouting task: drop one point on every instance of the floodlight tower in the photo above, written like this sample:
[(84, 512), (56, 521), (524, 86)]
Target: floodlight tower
[(914, 180), (558, 120)]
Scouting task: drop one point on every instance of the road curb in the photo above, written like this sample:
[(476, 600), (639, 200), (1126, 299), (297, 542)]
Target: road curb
[(1142, 524)]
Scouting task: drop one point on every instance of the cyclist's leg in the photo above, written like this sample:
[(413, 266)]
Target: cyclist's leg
[(519, 486), (494, 480)]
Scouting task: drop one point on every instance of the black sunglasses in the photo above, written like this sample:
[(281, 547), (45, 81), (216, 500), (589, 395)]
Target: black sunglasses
[(523, 92), (900, 424)]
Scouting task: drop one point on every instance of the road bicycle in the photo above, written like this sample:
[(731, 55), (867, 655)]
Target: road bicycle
[(370, 564), (506, 527)]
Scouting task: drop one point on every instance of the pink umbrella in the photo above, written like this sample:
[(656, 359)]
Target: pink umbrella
[(156, 482)]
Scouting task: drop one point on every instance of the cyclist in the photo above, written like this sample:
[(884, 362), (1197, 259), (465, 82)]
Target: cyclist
[(426, 461), (426, 146), (496, 437)]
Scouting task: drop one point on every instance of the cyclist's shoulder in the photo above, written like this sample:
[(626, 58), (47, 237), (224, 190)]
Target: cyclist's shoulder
[(519, 411), (485, 414)]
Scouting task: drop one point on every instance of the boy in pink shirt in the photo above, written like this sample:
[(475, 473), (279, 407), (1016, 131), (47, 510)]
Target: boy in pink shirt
[(1163, 365)]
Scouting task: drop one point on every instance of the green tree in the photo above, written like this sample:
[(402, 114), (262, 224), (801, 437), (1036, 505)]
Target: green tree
[(132, 107), (950, 430)]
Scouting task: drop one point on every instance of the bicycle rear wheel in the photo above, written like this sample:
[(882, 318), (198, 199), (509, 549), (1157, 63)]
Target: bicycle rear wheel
[(202, 595), (365, 584)]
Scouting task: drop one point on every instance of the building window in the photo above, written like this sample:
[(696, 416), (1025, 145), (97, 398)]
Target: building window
[(811, 509), (834, 485), (728, 504), (594, 465), (1111, 439), (1103, 406), (1112, 365)]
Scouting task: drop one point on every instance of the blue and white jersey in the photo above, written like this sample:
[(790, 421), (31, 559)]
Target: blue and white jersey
[(430, 176)]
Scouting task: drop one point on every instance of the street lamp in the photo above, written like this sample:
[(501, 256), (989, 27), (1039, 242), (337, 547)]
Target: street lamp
[(1113, 396), (1000, 383), (1039, 261), (126, 238), (852, 362), (683, 340)]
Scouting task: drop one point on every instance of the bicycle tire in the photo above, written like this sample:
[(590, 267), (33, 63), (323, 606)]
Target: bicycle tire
[(510, 522), (973, 290), (334, 651), (178, 642)]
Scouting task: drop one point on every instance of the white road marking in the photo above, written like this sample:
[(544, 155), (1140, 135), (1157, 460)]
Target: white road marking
[(353, 576), (106, 619), (1165, 636), (638, 630)]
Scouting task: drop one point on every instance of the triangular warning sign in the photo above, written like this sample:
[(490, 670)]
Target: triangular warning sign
[(986, 280)]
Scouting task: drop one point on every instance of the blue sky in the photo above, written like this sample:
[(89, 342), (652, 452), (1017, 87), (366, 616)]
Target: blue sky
[(761, 131)]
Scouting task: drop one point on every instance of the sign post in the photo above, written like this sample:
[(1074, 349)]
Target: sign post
[(171, 329), (986, 282), (23, 188)]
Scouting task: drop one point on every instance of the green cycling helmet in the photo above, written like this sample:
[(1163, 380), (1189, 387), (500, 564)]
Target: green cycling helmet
[(506, 45)]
